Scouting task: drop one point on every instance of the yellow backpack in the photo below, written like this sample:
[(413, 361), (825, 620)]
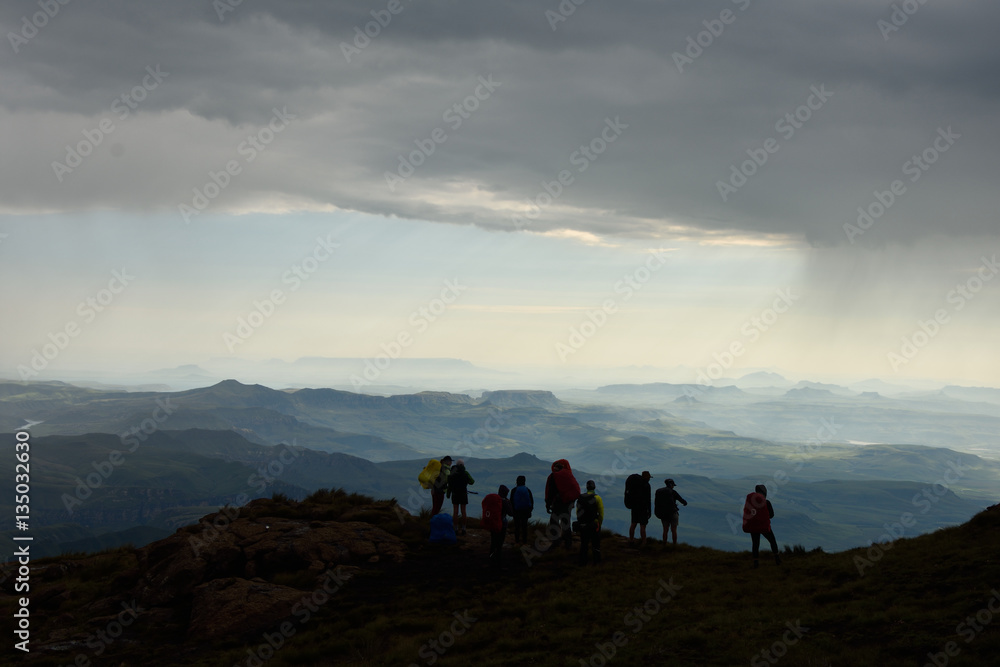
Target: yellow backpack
[(429, 474)]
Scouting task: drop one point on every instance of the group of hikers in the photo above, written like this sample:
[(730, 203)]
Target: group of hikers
[(562, 495)]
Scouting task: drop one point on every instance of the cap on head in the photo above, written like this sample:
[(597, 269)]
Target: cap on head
[(646, 475), (591, 485), (669, 482), (445, 459)]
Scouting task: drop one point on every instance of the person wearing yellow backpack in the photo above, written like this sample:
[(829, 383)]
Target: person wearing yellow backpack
[(589, 518), (459, 480), (440, 485)]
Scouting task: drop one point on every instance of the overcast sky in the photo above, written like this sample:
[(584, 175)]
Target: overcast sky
[(539, 154)]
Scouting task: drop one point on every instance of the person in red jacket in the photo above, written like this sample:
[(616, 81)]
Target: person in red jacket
[(561, 491), (757, 515)]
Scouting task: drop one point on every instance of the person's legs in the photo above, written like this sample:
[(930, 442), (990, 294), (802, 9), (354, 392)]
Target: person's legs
[(596, 542), (465, 519), (755, 540), (674, 520), (454, 516), (631, 533), (584, 544), (642, 533), (666, 525), (437, 499), (774, 546), (554, 532), (566, 524)]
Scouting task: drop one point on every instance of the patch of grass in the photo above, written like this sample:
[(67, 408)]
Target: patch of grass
[(850, 607)]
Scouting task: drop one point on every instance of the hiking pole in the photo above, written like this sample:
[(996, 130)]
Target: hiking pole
[(474, 492)]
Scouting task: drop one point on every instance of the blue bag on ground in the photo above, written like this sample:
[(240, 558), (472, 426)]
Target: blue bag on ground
[(442, 530)]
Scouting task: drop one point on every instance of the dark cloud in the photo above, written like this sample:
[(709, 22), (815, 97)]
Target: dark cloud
[(557, 89)]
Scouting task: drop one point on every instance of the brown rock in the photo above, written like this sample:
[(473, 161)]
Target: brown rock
[(237, 607)]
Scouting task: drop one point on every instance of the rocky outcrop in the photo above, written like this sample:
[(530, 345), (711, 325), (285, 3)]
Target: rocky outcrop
[(225, 607), (223, 547)]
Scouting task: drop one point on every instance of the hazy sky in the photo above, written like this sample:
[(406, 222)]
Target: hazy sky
[(651, 175)]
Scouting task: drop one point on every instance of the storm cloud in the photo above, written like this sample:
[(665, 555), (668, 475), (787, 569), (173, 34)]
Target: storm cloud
[(745, 119)]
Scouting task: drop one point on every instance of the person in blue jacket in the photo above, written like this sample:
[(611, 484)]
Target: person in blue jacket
[(523, 502)]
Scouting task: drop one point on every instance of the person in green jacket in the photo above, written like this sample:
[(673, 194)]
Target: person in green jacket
[(458, 490), (590, 517)]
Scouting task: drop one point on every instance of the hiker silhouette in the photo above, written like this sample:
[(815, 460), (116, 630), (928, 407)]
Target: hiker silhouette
[(459, 480), (561, 491), (523, 502), (666, 510), (757, 515)]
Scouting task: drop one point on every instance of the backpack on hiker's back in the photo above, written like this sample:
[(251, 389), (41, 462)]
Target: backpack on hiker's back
[(567, 489), (459, 479), (586, 508), (756, 513), (521, 498), (492, 513), (428, 476), (442, 529), (633, 493)]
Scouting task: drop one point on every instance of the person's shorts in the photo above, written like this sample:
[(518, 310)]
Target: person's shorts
[(671, 520), (639, 516)]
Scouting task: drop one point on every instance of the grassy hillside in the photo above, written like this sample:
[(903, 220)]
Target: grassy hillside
[(888, 605)]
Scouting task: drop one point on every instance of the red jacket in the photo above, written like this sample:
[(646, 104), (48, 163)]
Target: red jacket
[(757, 513)]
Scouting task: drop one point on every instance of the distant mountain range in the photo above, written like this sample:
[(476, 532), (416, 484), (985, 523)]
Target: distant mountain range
[(203, 447)]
